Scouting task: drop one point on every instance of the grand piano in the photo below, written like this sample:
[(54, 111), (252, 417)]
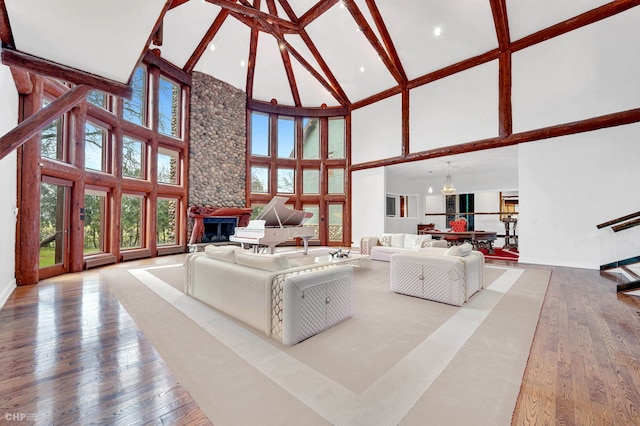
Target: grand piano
[(276, 224)]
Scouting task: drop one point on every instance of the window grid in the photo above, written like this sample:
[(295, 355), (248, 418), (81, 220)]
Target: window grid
[(115, 153)]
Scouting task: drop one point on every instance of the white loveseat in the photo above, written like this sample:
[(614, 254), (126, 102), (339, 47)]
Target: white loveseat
[(268, 292), (450, 275), (385, 245)]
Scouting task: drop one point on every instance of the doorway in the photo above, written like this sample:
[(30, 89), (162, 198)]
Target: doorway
[(54, 226)]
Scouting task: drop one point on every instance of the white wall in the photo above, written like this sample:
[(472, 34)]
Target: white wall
[(376, 131), (456, 109), (8, 170), (568, 185), (407, 225), (585, 73), (367, 203)]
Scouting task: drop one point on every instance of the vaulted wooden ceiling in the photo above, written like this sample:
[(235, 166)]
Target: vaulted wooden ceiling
[(294, 52)]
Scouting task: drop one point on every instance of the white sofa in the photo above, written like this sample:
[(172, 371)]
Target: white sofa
[(450, 275), (385, 245), (268, 292)]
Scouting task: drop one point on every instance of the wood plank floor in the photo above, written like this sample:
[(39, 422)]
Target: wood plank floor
[(584, 363), (70, 354)]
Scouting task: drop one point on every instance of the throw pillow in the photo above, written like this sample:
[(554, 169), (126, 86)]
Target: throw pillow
[(224, 253), (385, 240), (266, 262), (452, 251), (424, 241), (411, 241), (465, 249)]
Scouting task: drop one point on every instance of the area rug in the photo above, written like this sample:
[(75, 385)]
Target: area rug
[(398, 360), (501, 254)]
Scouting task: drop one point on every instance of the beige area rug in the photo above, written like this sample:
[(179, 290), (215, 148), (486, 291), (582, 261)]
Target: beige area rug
[(398, 360)]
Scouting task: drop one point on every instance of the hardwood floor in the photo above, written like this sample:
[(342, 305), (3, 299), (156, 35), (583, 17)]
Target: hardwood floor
[(584, 363), (70, 354)]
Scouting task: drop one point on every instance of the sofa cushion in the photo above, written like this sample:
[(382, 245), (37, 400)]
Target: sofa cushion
[(224, 253), (266, 262), (434, 243), (397, 240)]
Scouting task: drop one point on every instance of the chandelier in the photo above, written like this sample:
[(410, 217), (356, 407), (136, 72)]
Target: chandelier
[(448, 188)]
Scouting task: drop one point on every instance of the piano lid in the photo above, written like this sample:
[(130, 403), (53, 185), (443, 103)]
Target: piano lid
[(276, 213)]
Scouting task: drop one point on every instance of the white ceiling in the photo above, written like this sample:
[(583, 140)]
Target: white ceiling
[(107, 38)]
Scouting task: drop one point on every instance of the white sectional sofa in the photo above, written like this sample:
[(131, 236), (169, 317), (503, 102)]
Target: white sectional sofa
[(450, 275), (383, 246), (286, 302)]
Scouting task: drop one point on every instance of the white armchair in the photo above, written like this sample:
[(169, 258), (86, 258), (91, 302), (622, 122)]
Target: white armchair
[(449, 276)]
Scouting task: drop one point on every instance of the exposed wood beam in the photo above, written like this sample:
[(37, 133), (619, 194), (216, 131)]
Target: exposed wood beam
[(321, 7), (361, 21), (6, 36), (156, 27), (505, 112), (386, 38), (22, 79), (428, 78), (293, 111), (501, 22), (176, 3), (47, 68), (406, 134), (377, 97), (286, 61), (158, 36), (590, 124), (281, 40), (253, 48), (208, 37), (254, 13), (587, 18), (455, 68), (168, 68), (327, 85), (41, 119), (316, 55)]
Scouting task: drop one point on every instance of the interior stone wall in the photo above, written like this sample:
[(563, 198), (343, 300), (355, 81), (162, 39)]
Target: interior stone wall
[(217, 144)]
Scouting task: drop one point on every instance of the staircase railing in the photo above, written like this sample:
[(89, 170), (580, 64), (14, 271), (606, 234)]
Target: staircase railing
[(619, 224), (625, 225)]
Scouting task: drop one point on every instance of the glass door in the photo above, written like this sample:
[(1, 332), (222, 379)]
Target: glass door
[(54, 226), (334, 224)]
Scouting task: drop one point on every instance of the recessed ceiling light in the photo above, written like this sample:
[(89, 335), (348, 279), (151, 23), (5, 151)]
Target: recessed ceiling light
[(342, 4), (212, 47), (437, 31), (242, 63), (361, 69)]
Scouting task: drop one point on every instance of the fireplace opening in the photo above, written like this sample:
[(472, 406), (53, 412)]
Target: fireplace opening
[(218, 229)]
